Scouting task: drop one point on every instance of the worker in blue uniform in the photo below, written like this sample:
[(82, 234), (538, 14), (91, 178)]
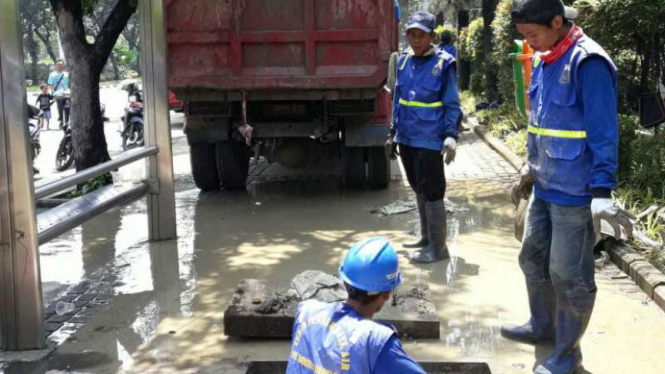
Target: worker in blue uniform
[(447, 43), (341, 337), (572, 159), (426, 111)]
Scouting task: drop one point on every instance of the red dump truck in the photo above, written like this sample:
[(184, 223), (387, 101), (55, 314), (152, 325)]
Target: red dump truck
[(283, 79)]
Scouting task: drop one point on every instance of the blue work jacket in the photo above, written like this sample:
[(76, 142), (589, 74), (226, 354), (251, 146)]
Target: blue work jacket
[(334, 338), (450, 49), (426, 104), (573, 126)]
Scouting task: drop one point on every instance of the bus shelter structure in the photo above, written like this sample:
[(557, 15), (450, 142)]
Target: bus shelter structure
[(21, 229)]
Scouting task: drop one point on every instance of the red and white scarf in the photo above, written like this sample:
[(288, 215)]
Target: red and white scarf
[(557, 52)]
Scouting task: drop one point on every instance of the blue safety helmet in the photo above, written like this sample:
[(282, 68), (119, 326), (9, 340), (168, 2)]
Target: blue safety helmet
[(422, 20), (371, 265)]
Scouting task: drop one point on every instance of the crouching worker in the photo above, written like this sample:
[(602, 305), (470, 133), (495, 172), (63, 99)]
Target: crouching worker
[(341, 337)]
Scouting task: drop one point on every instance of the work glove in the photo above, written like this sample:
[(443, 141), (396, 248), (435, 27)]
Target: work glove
[(606, 209), (522, 189), (526, 181), (449, 150)]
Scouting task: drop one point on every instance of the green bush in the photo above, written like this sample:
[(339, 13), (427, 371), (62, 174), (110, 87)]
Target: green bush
[(470, 44), (477, 85), (468, 101), (516, 141), (627, 136), (633, 33), (504, 34), (646, 165)]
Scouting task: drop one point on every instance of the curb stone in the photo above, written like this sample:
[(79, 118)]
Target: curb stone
[(623, 256), (648, 277), (639, 269), (659, 297)]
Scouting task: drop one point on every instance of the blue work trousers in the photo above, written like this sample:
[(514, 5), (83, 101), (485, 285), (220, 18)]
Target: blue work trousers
[(558, 249)]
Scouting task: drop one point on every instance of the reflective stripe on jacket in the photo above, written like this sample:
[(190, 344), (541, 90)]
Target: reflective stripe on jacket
[(335, 339), (558, 149)]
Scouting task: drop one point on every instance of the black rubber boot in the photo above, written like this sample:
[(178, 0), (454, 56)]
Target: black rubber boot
[(436, 250), (567, 356), (540, 328), (424, 240)]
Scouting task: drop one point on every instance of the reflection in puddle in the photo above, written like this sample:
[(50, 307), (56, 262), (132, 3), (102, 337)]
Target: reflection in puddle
[(474, 337)]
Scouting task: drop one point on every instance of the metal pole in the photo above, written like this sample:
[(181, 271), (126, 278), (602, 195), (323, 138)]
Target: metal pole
[(21, 309), (161, 200)]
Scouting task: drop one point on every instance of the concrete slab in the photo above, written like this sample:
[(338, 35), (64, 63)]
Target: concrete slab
[(27, 356), (413, 315)]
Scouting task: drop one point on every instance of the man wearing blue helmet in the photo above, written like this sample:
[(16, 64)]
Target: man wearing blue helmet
[(341, 337), (426, 112)]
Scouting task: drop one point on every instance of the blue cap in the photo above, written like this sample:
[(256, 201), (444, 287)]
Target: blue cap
[(422, 20), (371, 265)]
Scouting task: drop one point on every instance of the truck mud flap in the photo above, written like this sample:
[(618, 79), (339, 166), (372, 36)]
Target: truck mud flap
[(365, 136)]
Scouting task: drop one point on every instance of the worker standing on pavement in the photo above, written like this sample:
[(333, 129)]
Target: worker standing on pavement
[(572, 159), (447, 43), (426, 112), (341, 337)]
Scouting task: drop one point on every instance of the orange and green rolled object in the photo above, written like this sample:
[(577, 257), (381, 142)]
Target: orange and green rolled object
[(522, 62)]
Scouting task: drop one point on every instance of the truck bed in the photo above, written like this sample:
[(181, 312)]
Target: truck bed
[(231, 45)]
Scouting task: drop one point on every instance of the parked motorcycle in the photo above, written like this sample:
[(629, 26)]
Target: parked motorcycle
[(132, 132), (64, 157), (34, 131)]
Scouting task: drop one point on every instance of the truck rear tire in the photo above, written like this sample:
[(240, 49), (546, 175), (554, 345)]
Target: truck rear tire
[(204, 166), (232, 164), (378, 168), (354, 167)]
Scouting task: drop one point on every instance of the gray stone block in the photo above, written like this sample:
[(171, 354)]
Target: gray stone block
[(646, 276), (414, 317), (659, 297), (622, 255), (59, 319)]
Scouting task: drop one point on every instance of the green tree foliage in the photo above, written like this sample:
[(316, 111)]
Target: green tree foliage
[(471, 49), (503, 36), (633, 33), (471, 42)]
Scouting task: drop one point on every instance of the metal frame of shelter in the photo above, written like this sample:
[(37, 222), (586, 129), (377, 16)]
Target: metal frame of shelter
[(21, 230)]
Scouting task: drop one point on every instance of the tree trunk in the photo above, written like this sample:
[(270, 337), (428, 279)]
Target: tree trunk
[(86, 118), (464, 65), (33, 52), (85, 62), (114, 65), (489, 66), (646, 69), (46, 40)]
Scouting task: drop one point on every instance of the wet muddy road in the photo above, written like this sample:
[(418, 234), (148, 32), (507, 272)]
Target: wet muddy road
[(166, 301)]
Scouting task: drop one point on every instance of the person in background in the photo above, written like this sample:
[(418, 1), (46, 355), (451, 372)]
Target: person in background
[(44, 102), (447, 43), (426, 112), (341, 337), (58, 81)]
